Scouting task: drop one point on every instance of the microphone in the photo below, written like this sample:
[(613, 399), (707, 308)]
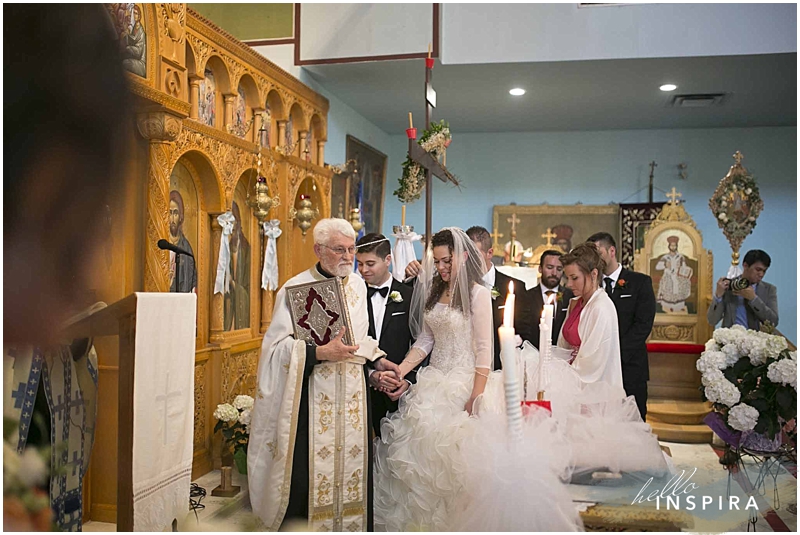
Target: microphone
[(167, 246)]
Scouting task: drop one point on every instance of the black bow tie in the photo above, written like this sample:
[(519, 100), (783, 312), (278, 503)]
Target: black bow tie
[(372, 290)]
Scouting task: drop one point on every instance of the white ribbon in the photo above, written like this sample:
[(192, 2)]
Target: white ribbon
[(403, 253), (223, 280), (269, 275)]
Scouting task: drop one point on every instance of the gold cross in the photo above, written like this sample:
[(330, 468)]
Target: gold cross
[(496, 238), (738, 157), (673, 196), (513, 220), (549, 235)]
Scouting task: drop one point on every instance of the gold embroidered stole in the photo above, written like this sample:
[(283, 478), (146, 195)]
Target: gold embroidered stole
[(338, 437)]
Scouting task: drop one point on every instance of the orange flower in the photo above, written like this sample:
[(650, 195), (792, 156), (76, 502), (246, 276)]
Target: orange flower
[(621, 283)]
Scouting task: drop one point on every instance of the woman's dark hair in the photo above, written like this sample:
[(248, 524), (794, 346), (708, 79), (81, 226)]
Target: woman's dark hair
[(474, 275), (586, 257)]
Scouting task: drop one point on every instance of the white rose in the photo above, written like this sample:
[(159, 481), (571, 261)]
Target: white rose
[(711, 360), (226, 412), (722, 216), (784, 372), (743, 417), (243, 402), (32, 468), (748, 191)]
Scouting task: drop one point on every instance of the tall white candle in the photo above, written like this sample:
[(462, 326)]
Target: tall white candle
[(508, 352), (544, 351), (547, 314), (508, 313)]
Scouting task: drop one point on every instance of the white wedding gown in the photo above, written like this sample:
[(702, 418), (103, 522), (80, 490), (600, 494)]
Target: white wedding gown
[(438, 469)]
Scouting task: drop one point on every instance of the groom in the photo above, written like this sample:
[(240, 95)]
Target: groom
[(388, 304)]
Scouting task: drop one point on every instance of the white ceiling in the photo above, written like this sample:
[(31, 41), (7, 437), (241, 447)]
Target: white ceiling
[(575, 95)]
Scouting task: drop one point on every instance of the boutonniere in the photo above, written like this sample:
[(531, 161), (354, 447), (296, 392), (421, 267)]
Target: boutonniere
[(559, 295), (495, 293), (621, 283), (396, 297)]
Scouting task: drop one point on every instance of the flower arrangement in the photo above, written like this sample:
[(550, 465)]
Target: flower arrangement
[(436, 138), (26, 505), (234, 422), (736, 204), (411, 183), (751, 378)]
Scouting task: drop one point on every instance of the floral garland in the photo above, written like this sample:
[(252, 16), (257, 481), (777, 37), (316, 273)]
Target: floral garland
[(751, 378), (736, 204), (411, 183), (234, 422), (436, 138)]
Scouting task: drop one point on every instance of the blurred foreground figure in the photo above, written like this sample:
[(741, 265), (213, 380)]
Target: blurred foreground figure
[(64, 103)]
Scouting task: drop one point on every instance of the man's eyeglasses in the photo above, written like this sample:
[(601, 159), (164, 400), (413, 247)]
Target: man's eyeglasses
[(341, 251)]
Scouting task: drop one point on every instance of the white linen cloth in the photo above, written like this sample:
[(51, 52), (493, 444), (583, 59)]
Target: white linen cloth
[(403, 253), (269, 275), (223, 280), (163, 400)]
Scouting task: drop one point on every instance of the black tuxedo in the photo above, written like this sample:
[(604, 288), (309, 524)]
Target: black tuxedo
[(523, 320), (537, 304), (636, 309), (395, 342)]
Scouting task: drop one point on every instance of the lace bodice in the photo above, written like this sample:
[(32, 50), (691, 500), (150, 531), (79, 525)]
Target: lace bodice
[(455, 339), (452, 338)]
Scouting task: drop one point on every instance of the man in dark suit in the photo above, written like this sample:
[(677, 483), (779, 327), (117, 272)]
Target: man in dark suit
[(751, 306), (549, 289), (498, 283), (388, 306), (632, 294)]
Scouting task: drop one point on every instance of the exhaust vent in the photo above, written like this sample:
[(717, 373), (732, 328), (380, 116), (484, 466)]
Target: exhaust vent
[(700, 100)]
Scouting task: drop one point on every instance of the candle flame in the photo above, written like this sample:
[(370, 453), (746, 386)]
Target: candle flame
[(551, 299), (511, 287)]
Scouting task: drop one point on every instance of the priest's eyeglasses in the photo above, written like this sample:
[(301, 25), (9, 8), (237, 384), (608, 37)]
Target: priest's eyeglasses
[(341, 251)]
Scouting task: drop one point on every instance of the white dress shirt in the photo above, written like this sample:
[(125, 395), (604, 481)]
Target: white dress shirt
[(379, 306), (545, 289), (489, 277), (614, 277)]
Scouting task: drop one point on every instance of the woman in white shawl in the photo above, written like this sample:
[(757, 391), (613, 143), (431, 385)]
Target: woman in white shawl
[(603, 424)]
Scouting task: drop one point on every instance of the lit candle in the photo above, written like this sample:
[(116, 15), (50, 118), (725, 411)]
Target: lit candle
[(547, 313), (508, 313), (403, 217), (544, 352), (508, 353)]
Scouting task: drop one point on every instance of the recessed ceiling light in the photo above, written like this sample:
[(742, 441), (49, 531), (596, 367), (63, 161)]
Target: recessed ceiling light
[(668, 87), (517, 91)]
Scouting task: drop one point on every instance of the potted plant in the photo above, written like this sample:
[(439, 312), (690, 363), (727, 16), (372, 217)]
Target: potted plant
[(234, 422)]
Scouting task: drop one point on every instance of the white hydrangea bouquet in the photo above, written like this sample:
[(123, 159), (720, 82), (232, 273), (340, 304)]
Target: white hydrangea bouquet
[(751, 378), (234, 422)]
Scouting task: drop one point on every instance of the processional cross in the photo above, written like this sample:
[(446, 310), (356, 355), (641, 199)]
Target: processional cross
[(549, 235), (513, 220), (738, 157)]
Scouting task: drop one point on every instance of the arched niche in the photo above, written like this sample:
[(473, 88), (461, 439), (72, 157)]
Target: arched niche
[(295, 124), (241, 296), (215, 84), (247, 99), (275, 111), (315, 134)]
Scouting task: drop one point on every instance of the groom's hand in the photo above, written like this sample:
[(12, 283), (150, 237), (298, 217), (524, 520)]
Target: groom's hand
[(394, 396), (412, 269)]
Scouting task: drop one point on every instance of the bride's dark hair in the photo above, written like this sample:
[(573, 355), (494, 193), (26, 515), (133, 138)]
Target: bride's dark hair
[(474, 272)]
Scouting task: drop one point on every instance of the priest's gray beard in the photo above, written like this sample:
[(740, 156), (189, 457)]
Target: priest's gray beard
[(343, 269)]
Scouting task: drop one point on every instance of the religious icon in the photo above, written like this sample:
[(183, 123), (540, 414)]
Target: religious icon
[(289, 136), (673, 274), (207, 106), (128, 22), (563, 238), (240, 114), (182, 221), (236, 313), (266, 126), (371, 173)]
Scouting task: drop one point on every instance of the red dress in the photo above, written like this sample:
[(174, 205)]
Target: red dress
[(570, 329)]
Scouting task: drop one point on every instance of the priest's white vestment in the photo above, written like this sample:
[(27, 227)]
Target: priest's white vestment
[(338, 424)]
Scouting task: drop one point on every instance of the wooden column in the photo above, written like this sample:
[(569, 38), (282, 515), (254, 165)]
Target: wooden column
[(321, 155), (303, 136), (194, 96), (281, 134), (257, 118), (229, 99)]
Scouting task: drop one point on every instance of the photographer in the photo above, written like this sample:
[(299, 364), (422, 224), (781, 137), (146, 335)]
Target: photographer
[(750, 306)]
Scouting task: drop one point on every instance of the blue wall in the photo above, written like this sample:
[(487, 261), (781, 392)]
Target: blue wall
[(610, 166)]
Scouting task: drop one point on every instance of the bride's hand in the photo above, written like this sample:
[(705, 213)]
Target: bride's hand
[(469, 406)]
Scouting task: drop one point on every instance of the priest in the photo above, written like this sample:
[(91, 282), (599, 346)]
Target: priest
[(309, 459)]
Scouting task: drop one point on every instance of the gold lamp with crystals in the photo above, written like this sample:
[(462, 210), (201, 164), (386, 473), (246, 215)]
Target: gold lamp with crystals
[(259, 200), (306, 212)]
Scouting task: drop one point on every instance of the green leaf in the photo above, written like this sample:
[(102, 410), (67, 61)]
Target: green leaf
[(219, 425), (786, 399)]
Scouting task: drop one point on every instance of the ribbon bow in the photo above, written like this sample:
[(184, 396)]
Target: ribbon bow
[(403, 252), (269, 276), (223, 280)]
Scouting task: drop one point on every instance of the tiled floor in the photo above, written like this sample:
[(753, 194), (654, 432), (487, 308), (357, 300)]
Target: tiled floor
[(709, 479)]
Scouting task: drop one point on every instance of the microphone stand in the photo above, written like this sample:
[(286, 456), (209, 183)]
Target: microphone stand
[(177, 272)]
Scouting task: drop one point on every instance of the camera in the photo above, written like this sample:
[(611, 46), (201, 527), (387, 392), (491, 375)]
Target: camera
[(739, 283)]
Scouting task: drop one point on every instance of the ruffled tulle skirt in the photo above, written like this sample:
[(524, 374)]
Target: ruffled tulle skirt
[(438, 469)]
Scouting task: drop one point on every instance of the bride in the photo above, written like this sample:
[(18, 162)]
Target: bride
[(433, 458)]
